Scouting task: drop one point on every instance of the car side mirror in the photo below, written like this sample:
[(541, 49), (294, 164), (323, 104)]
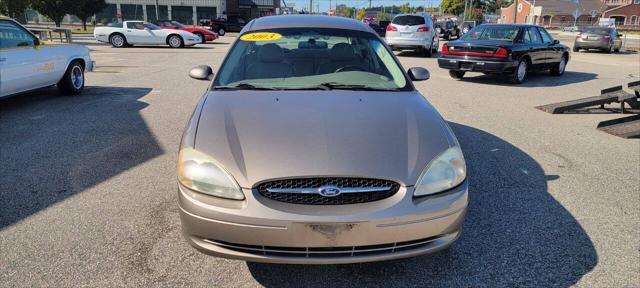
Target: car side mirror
[(202, 72), (556, 42), (418, 74)]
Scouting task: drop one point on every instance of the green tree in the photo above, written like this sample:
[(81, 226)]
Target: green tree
[(54, 9), (383, 16), (405, 8), (452, 6), (85, 9), (344, 11), (493, 6), (14, 9), (361, 14)]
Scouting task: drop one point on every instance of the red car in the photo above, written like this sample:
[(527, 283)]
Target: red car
[(203, 33)]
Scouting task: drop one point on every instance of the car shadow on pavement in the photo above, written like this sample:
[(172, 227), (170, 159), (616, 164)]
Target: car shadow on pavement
[(534, 79), (515, 234), (54, 147)]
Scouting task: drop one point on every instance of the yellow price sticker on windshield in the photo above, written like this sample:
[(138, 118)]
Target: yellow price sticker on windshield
[(261, 36)]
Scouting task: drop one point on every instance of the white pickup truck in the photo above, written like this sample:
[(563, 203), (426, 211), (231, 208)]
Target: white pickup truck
[(26, 63), (130, 33)]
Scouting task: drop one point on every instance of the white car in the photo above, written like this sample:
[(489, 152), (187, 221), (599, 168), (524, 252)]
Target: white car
[(129, 33), (27, 64), (412, 32)]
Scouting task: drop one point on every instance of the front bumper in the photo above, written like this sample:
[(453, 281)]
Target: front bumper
[(192, 41), (262, 230), (473, 65)]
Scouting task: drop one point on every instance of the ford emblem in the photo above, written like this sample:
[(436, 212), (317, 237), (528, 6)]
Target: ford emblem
[(329, 191)]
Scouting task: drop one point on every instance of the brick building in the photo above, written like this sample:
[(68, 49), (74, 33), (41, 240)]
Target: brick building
[(554, 13), (627, 16)]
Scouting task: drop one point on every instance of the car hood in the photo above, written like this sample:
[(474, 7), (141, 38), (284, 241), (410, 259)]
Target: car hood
[(260, 135)]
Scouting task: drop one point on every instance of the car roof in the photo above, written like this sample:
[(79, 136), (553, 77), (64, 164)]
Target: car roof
[(306, 21), (414, 14), (513, 25)]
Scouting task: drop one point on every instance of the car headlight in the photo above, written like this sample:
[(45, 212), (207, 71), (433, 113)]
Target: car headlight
[(446, 171), (200, 172)]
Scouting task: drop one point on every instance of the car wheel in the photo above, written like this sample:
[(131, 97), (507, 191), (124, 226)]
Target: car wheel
[(201, 37), (175, 41), (520, 74), (576, 49), (428, 52), (118, 41), (558, 69), (72, 82), (456, 74), (617, 50), (434, 48), (221, 31)]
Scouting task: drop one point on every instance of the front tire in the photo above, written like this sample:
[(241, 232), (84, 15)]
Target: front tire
[(72, 83), (221, 31), (202, 40), (175, 41), (118, 41), (576, 49), (520, 74), (456, 74), (428, 52)]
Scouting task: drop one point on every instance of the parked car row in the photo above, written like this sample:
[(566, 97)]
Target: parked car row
[(130, 33)]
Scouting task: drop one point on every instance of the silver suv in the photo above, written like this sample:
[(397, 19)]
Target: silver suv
[(413, 32)]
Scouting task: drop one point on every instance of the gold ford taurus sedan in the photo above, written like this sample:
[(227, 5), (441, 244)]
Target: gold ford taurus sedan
[(312, 146)]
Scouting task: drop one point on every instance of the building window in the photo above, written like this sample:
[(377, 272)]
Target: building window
[(163, 10), (206, 13), (131, 12), (182, 14), (634, 20), (107, 15)]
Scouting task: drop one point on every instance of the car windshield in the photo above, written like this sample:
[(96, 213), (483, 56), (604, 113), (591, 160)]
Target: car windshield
[(178, 24), (499, 33), (310, 58), (151, 26), (599, 31), (408, 20)]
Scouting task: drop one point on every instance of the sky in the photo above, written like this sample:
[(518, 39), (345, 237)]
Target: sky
[(324, 4)]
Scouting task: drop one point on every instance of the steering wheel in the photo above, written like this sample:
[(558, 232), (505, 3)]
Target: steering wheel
[(350, 68)]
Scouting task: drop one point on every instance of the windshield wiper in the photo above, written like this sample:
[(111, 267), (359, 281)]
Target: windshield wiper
[(244, 86), (339, 86)]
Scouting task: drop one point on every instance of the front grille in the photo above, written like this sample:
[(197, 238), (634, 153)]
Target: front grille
[(305, 190), (318, 252)]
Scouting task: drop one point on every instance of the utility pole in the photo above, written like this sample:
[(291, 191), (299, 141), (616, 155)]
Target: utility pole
[(310, 6), (157, 15), (515, 11), (464, 14)]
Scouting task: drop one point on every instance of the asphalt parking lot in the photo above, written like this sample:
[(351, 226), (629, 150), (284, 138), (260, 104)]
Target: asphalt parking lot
[(88, 190)]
